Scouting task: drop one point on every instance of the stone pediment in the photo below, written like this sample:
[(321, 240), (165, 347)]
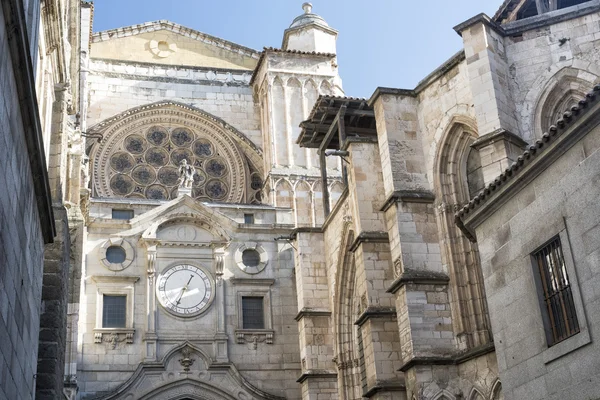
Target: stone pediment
[(186, 372), (164, 42), (183, 221)]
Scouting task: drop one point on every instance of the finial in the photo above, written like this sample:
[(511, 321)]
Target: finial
[(307, 7)]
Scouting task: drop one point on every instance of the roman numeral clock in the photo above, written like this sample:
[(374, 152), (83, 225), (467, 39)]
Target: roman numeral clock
[(185, 290)]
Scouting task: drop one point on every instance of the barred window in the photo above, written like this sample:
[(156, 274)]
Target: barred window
[(558, 308), (114, 311), (253, 313)]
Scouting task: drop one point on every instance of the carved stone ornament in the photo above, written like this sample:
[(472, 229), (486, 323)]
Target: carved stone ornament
[(114, 339), (187, 361), (254, 337)]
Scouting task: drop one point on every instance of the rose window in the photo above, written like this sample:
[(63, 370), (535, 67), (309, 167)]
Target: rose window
[(145, 164)]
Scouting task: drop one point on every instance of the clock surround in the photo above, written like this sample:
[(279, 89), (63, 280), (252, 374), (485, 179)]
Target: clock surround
[(185, 289)]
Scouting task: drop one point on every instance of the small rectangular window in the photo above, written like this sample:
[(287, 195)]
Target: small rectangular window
[(122, 214), (253, 313), (114, 311), (248, 218), (558, 308)]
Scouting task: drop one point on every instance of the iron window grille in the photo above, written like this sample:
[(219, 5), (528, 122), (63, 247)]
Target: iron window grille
[(114, 311), (558, 307), (253, 313)]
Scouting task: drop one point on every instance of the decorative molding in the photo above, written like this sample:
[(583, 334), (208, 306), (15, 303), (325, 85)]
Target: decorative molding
[(418, 277), (113, 337), (408, 196), (115, 278), (369, 237), (252, 281), (375, 312), (254, 336)]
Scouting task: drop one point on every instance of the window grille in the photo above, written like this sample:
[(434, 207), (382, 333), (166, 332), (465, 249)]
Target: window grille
[(122, 214), (253, 313), (114, 311), (560, 318)]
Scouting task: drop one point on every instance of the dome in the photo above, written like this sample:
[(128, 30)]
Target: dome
[(308, 18)]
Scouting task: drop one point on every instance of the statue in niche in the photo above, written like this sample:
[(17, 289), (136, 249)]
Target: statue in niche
[(186, 174)]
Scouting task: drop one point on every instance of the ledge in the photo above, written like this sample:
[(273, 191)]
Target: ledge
[(418, 277), (369, 237), (389, 91), (312, 312), (115, 278), (375, 312), (451, 359), (379, 387), (317, 373), (408, 196)]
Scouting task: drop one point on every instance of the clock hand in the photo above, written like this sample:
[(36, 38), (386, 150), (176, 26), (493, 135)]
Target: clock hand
[(183, 289)]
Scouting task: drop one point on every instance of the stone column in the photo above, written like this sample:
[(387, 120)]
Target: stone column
[(377, 319), (488, 73), (150, 337), (319, 375), (220, 342), (421, 285), (498, 150)]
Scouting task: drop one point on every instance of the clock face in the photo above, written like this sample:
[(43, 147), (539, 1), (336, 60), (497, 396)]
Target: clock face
[(185, 290)]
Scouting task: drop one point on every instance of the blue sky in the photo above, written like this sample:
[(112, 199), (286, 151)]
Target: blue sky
[(393, 43)]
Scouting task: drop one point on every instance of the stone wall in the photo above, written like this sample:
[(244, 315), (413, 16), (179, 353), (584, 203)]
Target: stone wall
[(21, 236), (557, 197)]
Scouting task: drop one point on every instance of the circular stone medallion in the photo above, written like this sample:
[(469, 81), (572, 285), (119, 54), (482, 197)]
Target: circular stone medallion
[(143, 174), (157, 135), (168, 176), (121, 184), (202, 148), (216, 167), (181, 154), (182, 137), (156, 192), (216, 189), (157, 157), (135, 144), (122, 161)]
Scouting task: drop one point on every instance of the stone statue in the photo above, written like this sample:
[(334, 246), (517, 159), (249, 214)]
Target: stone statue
[(186, 174)]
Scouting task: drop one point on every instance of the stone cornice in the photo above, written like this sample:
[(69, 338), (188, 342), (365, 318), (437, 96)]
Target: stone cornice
[(317, 373), (375, 312), (408, 196), (412, 276), (479, 18), (568, 130), (252, 281), (24, 76), (369, 237), (450, 359), (312, 312), (389, 91)]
